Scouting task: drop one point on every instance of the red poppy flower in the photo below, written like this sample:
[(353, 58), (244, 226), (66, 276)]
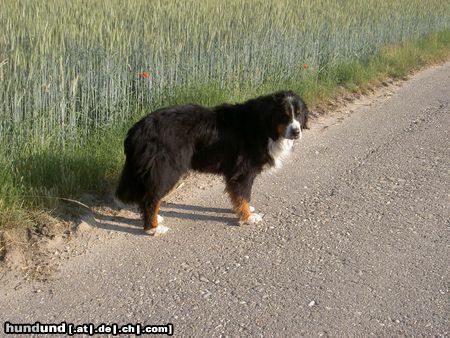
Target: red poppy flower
[(305, 66), (144, 75)]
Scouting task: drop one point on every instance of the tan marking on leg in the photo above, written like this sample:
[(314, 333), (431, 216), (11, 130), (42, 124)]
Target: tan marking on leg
[(240, 205), (154, 216)]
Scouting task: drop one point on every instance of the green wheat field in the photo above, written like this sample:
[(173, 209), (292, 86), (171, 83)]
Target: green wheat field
[(74, 75)]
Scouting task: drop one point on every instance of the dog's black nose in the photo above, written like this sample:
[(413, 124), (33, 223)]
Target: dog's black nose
[(296, 132)]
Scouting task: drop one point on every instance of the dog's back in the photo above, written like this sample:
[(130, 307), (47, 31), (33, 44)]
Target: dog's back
[(160, 146)]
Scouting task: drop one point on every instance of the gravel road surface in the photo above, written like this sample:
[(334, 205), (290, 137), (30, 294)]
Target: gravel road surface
[(354, 240)]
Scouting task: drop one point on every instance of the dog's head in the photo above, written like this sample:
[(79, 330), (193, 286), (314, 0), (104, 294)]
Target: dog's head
[(284, 116), (289, 115)]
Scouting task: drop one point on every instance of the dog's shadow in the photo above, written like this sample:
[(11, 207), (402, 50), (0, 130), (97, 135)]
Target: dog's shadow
[(197, 213), (133, 224)]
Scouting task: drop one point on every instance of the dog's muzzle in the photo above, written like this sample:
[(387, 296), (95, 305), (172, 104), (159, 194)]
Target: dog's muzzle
[(296, 132), (293, 133)]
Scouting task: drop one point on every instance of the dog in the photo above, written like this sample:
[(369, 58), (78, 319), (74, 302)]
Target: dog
[(237, 141)]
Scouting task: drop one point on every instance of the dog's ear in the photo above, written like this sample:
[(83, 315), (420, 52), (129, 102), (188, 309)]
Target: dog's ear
[(306, 123), (305, 114)]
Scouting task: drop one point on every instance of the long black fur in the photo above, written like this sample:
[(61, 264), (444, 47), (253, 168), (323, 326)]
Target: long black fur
[(230, 140)]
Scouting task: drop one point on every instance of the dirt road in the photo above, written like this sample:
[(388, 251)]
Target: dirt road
[(354, 242)]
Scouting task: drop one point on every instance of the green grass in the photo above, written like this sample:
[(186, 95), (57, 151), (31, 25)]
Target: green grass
[(71, 79)]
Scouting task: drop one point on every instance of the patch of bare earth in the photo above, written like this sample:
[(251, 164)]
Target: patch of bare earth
[(30, 253)]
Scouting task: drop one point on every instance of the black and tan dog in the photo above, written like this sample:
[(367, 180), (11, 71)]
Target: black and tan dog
[(237, 141)]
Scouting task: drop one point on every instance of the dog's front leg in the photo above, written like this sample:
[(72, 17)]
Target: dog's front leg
[(149, 209), (240, 191)]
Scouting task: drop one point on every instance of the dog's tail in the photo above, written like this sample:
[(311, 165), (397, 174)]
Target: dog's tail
[(130, 189)]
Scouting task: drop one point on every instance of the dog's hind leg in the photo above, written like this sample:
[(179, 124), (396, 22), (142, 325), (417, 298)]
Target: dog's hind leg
[(152, 200), (162, 177)]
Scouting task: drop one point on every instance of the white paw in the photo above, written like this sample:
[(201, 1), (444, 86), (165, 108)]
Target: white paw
[(253, 219), (252, 209), (160, 219), (159, 230)]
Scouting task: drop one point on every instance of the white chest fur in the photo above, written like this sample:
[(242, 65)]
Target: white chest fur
[(279, 150)]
